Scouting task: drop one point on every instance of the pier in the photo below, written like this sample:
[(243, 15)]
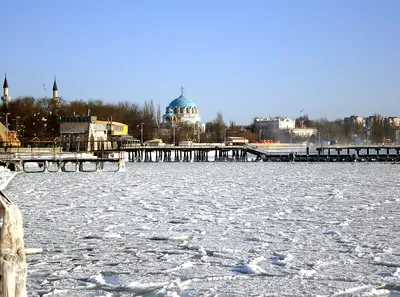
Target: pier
[(96, 161), (186, 153), (62, 163), (255, 153)]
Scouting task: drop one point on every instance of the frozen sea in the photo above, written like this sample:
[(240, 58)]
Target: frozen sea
[(213, 229)]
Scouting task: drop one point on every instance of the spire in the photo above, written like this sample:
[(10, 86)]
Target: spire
[(5, 85), (55, 84), (182, 91)]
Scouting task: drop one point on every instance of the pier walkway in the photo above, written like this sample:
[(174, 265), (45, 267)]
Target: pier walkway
[(115, 159), (287, 153), (60, 162), (185, 153)]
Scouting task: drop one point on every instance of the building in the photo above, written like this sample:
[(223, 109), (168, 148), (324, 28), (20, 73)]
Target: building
[(282, 130), (355, 128), (304, 132), (86, 133), (355, 120), (5, 98), (392, 121), (376, 129), (277, 129), (236, 140), (182, 111), (391, 126), (8, 138), (275, 123)]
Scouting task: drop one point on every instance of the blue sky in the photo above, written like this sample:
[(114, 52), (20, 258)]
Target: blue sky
[(242, 58)]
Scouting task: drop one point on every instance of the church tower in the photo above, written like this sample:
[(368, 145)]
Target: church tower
[(5, 98)]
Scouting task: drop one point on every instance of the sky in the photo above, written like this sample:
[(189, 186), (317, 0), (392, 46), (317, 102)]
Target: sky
[(245, 59)]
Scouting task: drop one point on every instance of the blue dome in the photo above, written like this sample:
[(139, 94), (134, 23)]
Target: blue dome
[(181, 101), (169, 110)]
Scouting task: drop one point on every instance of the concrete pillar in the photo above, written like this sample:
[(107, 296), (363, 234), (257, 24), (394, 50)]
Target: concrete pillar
[(19, 166), (100, 165), (121, 165)]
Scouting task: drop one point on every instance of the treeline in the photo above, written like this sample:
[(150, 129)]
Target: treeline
[(31, 117)]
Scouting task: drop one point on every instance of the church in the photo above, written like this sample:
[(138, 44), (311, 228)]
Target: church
[(182, 110)]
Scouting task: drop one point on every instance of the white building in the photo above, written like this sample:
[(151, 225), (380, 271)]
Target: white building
[(304, 132), (276, 124), (86, 133), (281, 129), (277, 129)]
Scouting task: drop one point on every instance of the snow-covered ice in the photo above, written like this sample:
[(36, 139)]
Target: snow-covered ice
[(208, 229)]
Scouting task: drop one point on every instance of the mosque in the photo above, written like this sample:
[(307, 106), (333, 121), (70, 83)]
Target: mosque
[(182, 110)]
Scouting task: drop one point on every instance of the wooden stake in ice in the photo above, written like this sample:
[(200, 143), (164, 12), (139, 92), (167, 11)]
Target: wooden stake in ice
[(13, 266)]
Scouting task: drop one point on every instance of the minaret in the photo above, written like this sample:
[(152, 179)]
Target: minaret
[(5, 98), (55, 100), (55, 89)]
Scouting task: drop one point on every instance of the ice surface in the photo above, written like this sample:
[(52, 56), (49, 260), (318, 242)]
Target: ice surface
[(208, 229), (5, 177)]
